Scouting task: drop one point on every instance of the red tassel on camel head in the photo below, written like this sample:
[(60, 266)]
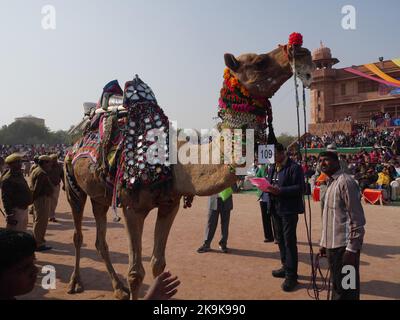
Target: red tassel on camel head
[(295, 39)]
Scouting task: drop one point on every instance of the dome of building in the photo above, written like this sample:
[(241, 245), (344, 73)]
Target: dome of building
[(322, 53)]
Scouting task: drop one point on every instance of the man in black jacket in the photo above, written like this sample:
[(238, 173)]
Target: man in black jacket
[(286, 202)]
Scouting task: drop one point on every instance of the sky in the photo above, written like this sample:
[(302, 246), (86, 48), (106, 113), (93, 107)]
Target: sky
[(175, 46)]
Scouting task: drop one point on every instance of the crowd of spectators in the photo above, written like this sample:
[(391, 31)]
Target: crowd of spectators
[(360, 137), (30, 151), (375, 169)]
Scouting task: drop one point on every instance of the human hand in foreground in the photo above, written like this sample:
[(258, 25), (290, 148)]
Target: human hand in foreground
[(274, 190), (164, 287)]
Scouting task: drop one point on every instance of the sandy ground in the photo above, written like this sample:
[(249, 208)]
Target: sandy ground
[(244, 273)]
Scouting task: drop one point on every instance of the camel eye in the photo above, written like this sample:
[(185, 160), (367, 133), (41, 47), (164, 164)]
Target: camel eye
[(260, 64)]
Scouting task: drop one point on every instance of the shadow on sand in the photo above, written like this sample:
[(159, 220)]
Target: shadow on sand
[(90, 278)]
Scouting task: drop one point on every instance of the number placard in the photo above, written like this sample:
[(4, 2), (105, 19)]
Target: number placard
[(266, 154)]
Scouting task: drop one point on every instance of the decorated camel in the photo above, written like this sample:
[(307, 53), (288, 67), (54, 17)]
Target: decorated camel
[(250, 80)]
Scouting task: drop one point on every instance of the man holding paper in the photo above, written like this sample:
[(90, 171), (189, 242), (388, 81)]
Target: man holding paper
[(219, 204), (286, 202)]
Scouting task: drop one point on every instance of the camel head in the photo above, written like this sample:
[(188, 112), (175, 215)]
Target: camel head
[(263, 74), (250, 80)]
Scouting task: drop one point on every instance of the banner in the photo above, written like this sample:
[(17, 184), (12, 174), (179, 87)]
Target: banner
[(364, 75), (374, 69), (396, 61)]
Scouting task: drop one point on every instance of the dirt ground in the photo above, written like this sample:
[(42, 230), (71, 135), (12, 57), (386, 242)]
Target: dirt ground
[(244, 273)]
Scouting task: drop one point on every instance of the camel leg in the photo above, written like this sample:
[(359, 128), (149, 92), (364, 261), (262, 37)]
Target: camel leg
[(78, 205), (100, 214), (134, 228), (165, 218)]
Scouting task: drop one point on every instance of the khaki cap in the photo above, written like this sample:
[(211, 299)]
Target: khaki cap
[(44, 158), (13, 158)]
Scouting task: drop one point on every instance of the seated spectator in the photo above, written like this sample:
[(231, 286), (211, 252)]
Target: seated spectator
[(374, 157), (383, 177), (366, 179), (397, 168), (392, 171), (383, 182)]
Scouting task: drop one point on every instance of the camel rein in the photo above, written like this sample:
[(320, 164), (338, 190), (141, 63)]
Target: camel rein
[(314, 259)]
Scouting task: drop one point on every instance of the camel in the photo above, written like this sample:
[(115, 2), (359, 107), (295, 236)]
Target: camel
[(261, 75)]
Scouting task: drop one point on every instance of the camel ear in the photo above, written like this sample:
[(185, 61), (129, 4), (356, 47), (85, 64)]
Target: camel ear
[(231, 62)]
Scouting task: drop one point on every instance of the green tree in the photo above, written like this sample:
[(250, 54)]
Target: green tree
[(286, 139), (20, 132)]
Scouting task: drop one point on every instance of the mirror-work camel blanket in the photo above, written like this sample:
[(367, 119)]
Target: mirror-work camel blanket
[(128, 148)]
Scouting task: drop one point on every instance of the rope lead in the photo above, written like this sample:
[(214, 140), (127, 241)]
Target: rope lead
[(315, 266)]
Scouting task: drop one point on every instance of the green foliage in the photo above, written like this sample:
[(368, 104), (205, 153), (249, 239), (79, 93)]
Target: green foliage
[(286, 139), (20, 132)]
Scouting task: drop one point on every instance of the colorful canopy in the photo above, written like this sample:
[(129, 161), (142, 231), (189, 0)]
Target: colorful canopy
[(384, 78), (364, 75), (374, 69), (396, 61)]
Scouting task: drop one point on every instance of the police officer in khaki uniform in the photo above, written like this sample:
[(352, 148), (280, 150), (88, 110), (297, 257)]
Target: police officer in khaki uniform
[(42, 189), (16, 194), (34, 165), (56, 176)]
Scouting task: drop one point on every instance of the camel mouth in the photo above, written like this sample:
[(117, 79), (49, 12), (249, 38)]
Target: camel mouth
[(306, 79)]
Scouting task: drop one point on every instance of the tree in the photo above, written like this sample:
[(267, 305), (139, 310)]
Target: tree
[(20, 132), (286, 139)]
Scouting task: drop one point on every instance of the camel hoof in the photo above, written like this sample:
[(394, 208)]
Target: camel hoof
[(75, 286), (122, 293)]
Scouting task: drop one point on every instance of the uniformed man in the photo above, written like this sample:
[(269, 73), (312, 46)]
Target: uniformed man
[(16, 194), (56, 176), (42, 189), (33, 167), (35, 164), (1, 165), (27, 168)]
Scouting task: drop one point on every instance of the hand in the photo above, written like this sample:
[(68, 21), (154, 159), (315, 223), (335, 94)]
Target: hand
[(322, 252), (164, 287), (274, 190), (349, 258)]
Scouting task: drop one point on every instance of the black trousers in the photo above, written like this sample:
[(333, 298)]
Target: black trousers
[(285, 233), (267, 221), (335, 259), (212, 223)]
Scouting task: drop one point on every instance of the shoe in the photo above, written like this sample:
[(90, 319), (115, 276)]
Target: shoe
[(280, 273), (224, 249), (268, 240), (43, 248), (53, 220), (289, 284), (203, 249)]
